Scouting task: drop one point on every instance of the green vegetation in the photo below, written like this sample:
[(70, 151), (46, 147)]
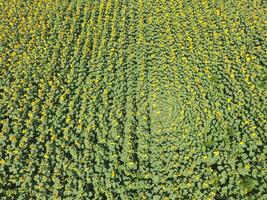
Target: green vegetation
[(127, 99)]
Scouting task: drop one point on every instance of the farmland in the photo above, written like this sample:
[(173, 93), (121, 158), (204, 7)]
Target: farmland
[(125, 99)]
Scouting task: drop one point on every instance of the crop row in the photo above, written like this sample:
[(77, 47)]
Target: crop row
[(123, 99)]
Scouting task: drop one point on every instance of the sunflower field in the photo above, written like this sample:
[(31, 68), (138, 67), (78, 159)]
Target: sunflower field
[(133, 99)]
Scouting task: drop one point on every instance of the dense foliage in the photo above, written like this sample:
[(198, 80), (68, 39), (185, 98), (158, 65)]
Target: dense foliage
[(127, 99)]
